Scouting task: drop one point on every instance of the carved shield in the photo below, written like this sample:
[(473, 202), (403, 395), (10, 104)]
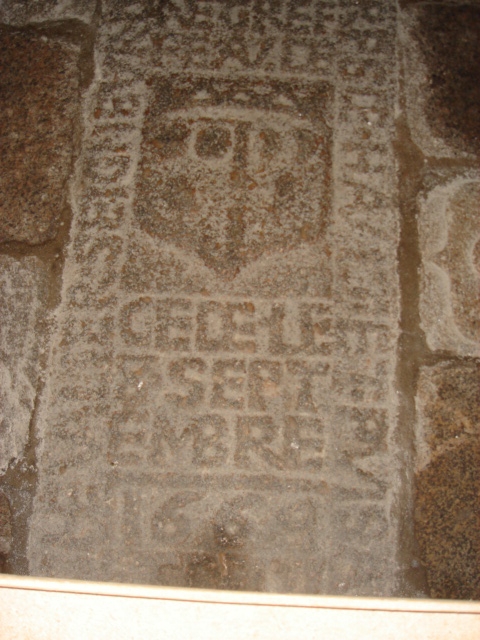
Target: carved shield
[(232, 169)]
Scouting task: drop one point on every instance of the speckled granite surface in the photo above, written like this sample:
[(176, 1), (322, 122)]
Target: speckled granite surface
[(38, 101), (247, 234), (447, 513), (442, 46)]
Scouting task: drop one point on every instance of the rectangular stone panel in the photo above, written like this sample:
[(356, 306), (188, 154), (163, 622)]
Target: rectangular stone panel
[(39, 104), (447, 522), (20, 12), (23, 293), (227, 410), (449, 233)]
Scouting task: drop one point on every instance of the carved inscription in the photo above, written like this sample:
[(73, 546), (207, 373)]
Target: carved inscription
[(224, 419), (241, 384), (299, 326), (272, 37)]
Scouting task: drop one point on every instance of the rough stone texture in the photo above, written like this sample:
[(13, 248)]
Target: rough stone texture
[(21, 12), (263, 165), (5, 531), (22, 304), (5, 527), (220, 403), (449, 229), (441, 52), (440, 55), (38, 102), (447, 515)]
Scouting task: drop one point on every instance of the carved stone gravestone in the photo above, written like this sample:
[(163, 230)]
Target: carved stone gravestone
[(220, 408)]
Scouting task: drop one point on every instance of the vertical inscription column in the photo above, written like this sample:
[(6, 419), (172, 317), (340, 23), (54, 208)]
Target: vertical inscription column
[(69, 524), (366, 295)]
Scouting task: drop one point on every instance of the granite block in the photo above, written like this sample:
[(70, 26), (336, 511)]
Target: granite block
[(39, 99), (447, 513), (23, 298)]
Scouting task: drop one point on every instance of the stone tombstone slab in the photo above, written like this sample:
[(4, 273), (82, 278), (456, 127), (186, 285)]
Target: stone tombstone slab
[(221, 405), (38, 101), (23, 293), (449, 231)]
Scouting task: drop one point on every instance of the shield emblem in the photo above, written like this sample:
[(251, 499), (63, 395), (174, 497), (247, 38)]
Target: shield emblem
[(233, 169)]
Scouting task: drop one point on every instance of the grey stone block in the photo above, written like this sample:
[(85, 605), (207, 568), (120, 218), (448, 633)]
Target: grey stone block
[(23, 292)]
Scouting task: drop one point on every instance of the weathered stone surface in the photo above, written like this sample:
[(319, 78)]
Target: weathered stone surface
[(271, 38), (441, 52), (20, 12), (259, 155), (22, 303), (5, 530), (220, 402), (447, 515), (449, 229), (38, 102)]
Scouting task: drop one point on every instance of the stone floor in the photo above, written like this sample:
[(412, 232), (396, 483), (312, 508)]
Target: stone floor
[(239, 282)]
